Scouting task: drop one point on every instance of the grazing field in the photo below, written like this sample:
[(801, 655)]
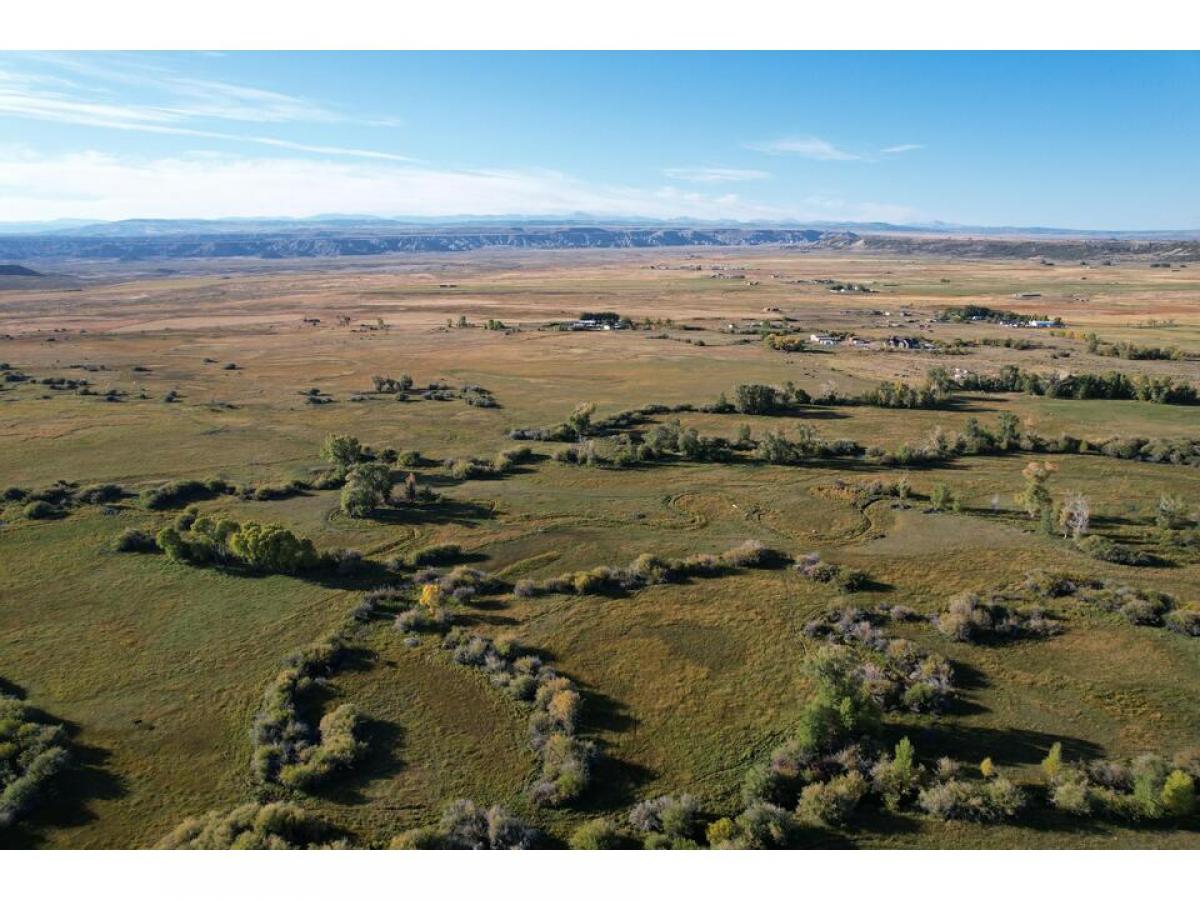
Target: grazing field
[(687, 673)]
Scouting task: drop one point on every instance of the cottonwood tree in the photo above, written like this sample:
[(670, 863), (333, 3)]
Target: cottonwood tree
[(343, 450), (1074, 516), (580, 419), (368, 486), (1035, 498)]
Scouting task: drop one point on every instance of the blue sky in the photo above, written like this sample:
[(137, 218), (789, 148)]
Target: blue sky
[(1099, 140)]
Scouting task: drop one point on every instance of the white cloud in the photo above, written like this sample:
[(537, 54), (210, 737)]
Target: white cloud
[(712, 175), (179, 96), (98, 186), (182, 108), (810, 147), (902, 148), (47, 106)]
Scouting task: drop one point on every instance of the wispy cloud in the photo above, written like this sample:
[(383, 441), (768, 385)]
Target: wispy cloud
[(101, 186), (714, 174), (808, 147), (183, 106), (821, 149)]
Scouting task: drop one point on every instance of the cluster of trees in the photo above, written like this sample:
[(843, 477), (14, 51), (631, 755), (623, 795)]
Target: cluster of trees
[(556, 708), (1129, 350), (386, 385), (975, 439), (287, 749), (430, 612), (1147, 787), (1072, 518), (895, 672), (1009, 437), (974, 619), (974, 313), (206, 540), (1176, 523), (672, 438), (650, 569), (1015, 611), (845, 579), (366, 478), (271, 826), (402, 387), (503, 463), (769, 400), (466, 826), (1073, 386), (1138, 606), (32, 753), (367, 486), (829, 768), (462, 583), (430, 606), (576, 427), (666, 822), (807, 444)]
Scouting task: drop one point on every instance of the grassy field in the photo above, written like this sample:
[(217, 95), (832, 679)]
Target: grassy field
[(157, 667)]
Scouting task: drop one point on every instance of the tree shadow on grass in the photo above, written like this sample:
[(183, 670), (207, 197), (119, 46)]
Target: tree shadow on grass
[(447, 512), (1006, 746)]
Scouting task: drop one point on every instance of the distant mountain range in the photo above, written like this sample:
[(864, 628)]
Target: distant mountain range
[(341, 224), (137, 240)]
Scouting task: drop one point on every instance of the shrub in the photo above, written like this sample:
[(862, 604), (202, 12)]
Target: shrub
[(283, 739), (764, 826), (433, 555), (973, 619), (989, 801), (100, 493), (721, 834), (1172, 513), (1101, 548), (898, 778), (180, 493), (32, 754), (566, 763), (1179, 794), (275, 826), (40, 509), (832, 802), (134, 540), (1184, 621), (941, 497), (598, 834), (339, 747), (465, 826), (674, 817), (1071, 795)]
